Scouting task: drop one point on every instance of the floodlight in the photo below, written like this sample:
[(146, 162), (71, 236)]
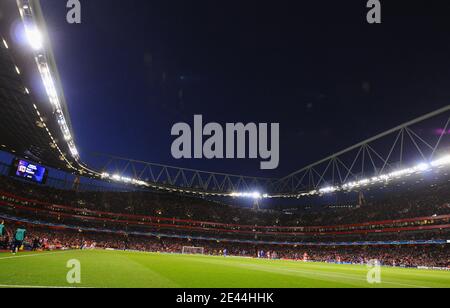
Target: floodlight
[(441, 161), (73, 151), (423, 167), (34, 38), (116, 177), (256, 195)]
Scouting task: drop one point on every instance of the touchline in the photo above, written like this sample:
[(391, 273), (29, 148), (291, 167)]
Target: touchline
[(234, 141)]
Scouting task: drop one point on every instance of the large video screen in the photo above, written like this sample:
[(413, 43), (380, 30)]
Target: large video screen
[(29, 171)]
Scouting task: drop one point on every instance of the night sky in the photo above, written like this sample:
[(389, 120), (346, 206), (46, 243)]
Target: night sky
[(134, 68)]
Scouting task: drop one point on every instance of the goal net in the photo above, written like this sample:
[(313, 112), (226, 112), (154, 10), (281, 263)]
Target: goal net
[(193, 250)]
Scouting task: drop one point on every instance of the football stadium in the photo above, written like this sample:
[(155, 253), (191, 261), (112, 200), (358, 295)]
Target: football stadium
[(375, 214)]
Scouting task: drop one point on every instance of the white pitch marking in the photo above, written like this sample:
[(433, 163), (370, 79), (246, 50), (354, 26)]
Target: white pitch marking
[(34, 255), (36, 287)]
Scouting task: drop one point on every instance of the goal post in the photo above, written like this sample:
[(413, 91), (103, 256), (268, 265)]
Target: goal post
[(193, 250)]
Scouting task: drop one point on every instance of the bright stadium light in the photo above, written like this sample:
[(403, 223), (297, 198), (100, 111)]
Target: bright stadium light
[(139, 182), (73, 151), (49, 85), (256, 195), (34, 37), (423, 167), (398, 174), (122, 179), (327, 190), (441, 162), (126, 179), (116, 177), (253, 195)]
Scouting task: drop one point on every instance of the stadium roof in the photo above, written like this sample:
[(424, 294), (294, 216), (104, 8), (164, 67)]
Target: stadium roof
[(30, 123)]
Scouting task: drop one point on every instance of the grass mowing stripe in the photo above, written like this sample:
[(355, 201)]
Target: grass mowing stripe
[(308, 273)]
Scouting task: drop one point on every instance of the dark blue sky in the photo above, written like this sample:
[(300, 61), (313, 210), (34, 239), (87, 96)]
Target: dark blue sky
[(134, 68)]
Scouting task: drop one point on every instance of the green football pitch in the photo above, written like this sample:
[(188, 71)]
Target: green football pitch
[(117, 269)]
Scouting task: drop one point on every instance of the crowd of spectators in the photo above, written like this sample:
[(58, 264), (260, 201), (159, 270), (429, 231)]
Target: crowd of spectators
[(426, 202)]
